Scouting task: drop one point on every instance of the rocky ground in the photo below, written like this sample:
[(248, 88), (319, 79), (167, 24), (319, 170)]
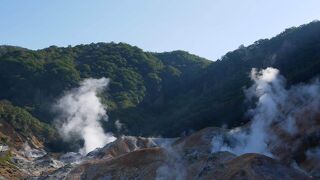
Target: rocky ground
[(129, 157)]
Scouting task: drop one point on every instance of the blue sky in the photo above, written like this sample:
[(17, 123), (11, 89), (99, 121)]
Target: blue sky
[(208, 28)]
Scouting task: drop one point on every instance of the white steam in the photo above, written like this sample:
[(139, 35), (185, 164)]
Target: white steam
[(118, 125), (269, 89), (275, 106), (80, 112), (174, 167), (313, 153)]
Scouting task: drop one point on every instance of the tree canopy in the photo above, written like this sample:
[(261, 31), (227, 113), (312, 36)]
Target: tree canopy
[(156, 93)]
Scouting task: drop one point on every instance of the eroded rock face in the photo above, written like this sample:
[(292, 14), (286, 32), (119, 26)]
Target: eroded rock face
[(157, 163), (139, 158), (199, 141), (122, 145), (256, 166), (187, 158), (139, 164), (18, 140), (300, 147)]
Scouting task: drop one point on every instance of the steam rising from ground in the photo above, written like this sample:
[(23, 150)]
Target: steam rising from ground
[(175, 167), (274, 105), (80, 112)]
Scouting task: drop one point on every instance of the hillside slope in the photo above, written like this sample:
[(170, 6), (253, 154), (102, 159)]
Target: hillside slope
[(216, 97), (156, 93)]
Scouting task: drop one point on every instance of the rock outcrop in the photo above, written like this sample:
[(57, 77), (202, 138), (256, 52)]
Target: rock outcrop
[(128, 157), (186, 158)]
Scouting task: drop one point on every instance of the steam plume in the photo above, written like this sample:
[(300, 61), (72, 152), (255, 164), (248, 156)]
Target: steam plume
[(80, 112), (174, 167), (275, 106)]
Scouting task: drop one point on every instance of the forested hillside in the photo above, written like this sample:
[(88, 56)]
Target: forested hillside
[(216, 97), (156, 93)]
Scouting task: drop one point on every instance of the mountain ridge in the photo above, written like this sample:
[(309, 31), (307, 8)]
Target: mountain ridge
[(156, 93), (184, 117)]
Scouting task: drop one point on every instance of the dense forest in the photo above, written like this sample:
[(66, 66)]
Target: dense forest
[(151, 93)]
